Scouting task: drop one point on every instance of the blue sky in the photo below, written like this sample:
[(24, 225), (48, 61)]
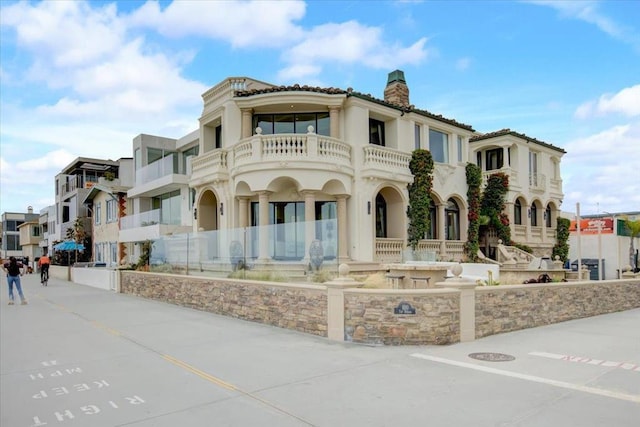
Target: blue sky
[(84, 78)]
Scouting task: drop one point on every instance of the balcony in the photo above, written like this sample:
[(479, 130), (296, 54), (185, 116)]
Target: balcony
[(147, 226), (211, 166), (259, 152), (386, 163), (158, 178), (75, 182), (514, 183), (537, 182)]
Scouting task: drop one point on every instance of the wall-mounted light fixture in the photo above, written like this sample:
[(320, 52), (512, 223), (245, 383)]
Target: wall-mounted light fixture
[(368, 208), (529, 213), (221, 208), (195, 213)]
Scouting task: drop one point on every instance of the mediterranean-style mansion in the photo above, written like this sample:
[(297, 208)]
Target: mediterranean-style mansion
[(296, 164)]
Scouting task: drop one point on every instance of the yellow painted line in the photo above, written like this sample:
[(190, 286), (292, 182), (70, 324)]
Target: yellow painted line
[(199, 373), (228, 386), (106, 328)]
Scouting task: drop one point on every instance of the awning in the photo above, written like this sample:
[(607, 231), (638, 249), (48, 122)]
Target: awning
[(69, 245)]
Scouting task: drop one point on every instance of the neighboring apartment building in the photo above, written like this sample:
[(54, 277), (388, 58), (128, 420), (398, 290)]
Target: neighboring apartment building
[(72, 185), (276, 156), (11, 235), (30, 237), (48, 226), (160, 200), (107, 203)]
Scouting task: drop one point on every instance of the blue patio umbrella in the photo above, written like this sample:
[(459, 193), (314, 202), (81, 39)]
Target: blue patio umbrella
[(69, 245)]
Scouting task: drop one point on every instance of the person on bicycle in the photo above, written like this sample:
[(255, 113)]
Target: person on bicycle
[(43, 264)]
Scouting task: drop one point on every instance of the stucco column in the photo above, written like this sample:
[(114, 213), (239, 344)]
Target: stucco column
[(505, 157), (247, 114), (442, 226), (341, 202), (508, 209), (263, 234), (528, 223), (309, 221), (335, 302), (243, 214), (467, 302), (334, 122)]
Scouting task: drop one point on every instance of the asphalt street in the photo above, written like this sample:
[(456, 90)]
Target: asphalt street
[(79, 356)]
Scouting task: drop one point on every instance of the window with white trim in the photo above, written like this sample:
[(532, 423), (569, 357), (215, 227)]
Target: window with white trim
[(97, 215), (112, 212), (439, 146)]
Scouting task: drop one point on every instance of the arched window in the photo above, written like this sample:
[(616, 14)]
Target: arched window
[(452, 214), (517, 212), (534, 215), (381, 216), (432, 233), (547, 216)]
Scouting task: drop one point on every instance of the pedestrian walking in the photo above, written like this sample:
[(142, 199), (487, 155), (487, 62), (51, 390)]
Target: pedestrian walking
[(14, 270)]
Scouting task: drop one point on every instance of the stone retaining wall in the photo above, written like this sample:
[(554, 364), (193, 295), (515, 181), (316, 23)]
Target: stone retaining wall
[(369, 316), (509, 308), (299, 307)]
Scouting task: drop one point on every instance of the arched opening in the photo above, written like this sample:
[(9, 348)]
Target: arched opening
[(452, 218), (533, 213), (517, 212), (547, 216), (207, 213)]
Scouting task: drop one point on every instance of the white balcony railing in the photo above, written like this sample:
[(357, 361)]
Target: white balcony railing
[(386, 158), (143, 219), (155, 170), (310, 147)]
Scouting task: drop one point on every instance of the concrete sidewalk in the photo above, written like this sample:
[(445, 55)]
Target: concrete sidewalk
[(78, 356)]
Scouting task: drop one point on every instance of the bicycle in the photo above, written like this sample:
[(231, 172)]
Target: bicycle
[(44, 274)]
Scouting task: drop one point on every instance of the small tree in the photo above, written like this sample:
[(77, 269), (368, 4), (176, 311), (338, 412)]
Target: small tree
[(421, 166), (633, 228)]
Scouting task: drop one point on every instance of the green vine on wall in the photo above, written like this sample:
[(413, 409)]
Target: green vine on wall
[(493, 203), (421, 166), (474, 182), (561, 247)]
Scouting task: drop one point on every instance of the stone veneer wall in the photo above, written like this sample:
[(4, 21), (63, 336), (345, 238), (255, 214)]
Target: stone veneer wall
[(369, 316), (299, 307), (369, 313), (509, 308)]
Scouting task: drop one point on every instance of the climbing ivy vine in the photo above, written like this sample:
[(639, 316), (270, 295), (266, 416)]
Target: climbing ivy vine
[(561, 247), (474, 182), (421, 166)]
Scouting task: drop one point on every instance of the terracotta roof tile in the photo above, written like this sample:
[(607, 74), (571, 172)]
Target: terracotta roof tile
[(507, 131), (351, 92)]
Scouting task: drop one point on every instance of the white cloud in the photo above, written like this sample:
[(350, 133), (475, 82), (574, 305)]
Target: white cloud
[(589, 11), (348, 43), (241, 23), (602, 168), (626, 102)]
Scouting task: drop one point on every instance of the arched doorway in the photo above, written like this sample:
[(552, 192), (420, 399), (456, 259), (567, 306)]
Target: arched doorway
[(207, 214)]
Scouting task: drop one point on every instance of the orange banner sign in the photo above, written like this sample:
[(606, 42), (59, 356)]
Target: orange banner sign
[(590, 226)]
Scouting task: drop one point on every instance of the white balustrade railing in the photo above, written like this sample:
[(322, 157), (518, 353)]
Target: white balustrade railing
[(215, 158), (386, 158), (291, 146)]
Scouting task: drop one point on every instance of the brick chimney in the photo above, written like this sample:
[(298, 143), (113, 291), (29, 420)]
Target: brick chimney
[(397, 91)]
